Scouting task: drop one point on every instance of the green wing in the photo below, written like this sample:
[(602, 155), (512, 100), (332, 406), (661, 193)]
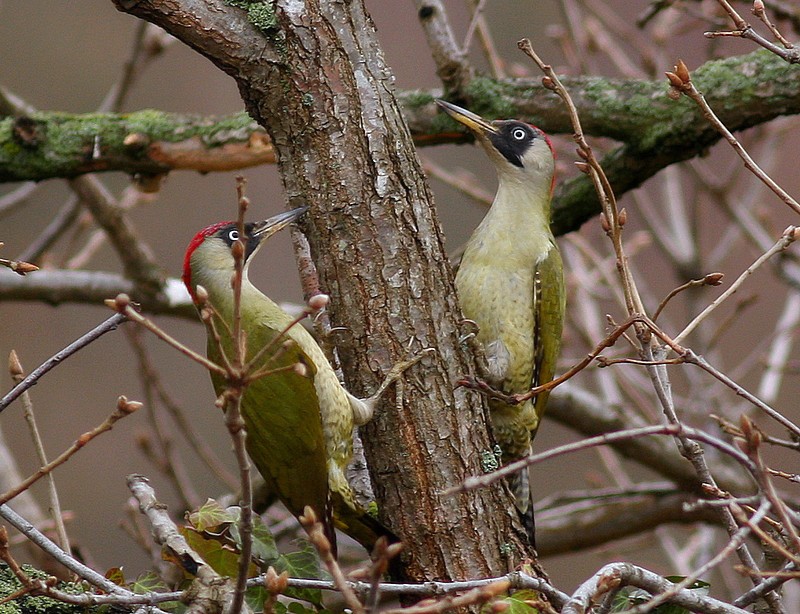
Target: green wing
[(549, 302), (284, 429)]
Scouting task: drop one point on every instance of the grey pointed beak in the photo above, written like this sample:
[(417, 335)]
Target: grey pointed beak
[(474, 122), (265, 229)]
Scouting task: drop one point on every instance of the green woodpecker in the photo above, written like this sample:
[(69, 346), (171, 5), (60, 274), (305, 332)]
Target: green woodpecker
[(299, 422), (511, 283)]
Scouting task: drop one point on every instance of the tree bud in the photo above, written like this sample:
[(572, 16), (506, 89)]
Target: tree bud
[(15, 366), (202, 295), (682, 71), (319, 301)]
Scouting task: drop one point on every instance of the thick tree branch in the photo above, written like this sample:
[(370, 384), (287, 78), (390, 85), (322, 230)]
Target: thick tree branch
[(57, 287), (655, 132), (560, 530), (45, 145)]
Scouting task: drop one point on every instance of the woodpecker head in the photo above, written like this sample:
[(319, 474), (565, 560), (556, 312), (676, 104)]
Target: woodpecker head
[(208, 257), (518, 150)]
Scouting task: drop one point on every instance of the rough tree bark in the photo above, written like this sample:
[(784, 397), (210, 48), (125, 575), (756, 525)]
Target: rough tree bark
[(314, 75)]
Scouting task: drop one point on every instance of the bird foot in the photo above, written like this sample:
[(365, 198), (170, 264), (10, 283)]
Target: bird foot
[(469, 330), (396, 372)]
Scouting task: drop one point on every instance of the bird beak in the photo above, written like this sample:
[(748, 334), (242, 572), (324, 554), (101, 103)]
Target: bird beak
[(474, 122), (264, 230)]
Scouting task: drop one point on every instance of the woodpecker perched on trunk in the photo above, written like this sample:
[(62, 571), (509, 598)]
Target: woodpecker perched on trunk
[(511, 283), (299, 423)]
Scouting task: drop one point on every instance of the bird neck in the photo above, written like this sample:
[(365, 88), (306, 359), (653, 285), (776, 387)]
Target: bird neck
[(518, 223), (217, 283)]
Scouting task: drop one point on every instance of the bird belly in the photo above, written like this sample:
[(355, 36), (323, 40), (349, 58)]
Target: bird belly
[(500, 302)]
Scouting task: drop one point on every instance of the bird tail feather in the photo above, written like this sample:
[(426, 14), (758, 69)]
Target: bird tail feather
[(521, 487), (358, 524)]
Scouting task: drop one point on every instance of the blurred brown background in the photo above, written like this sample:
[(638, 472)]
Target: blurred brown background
[(65, 56)]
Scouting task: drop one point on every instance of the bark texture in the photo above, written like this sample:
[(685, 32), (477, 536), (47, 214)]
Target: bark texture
[(315, 77)]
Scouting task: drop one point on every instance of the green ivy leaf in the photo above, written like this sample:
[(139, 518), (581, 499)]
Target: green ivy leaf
[(265, 551), (223, 560), (517, 603), (211, 515)]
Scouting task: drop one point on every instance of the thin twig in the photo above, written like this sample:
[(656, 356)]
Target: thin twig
[(122, 305), (124, 408), (692, 358), (787, 238), (734, 543), (31, 379), (712, 279), (186, 426), (78, 568), (744, 30), (680, 81), (18, 374), (609, 438), (317, 537)]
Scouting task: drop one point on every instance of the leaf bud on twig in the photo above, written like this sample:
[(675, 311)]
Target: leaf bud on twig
[(683, 71), (121, 302), (202, 295), (674, 80), (275, 583), (319, 301), (237, 249), (15, 366), (127, 407)]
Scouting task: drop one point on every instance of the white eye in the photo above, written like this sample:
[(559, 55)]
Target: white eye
[(518, 134), (233, 235)]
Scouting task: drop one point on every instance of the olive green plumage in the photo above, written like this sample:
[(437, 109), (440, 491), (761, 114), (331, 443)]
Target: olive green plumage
[(510, 282), (299, 422)]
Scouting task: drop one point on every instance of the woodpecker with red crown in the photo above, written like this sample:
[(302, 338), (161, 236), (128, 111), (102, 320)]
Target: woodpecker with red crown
[(511, 283), (299, 422)]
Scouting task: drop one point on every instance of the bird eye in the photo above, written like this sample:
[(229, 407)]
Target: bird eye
[(233, 235), (519, 134)]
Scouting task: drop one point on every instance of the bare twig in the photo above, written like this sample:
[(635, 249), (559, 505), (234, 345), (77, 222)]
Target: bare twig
[(18, 374), (609, 438), (681, 83), (712, 279), (30, 380), (316, 535), (692, 358), (787, 238), (137, 259), (744, 30), (210, 588), (20, 267), (625, 574), (78, 568), (124, 408), (122, 305), (203, 451), (733, 544)]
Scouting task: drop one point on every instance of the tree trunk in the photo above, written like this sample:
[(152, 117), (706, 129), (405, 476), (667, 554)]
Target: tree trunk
[(314, 76)]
